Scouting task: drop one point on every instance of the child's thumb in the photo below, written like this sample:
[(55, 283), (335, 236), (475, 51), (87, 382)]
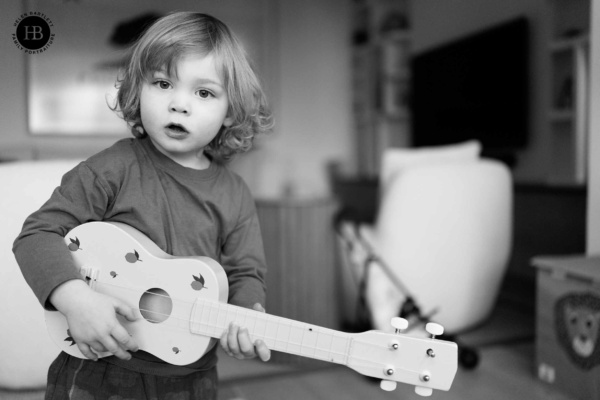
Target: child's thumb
[(126, 311)]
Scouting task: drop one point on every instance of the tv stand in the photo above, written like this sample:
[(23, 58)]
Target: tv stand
[(547, 220)]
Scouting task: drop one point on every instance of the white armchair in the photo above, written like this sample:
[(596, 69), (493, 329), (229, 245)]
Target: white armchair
[(25, 347), (442, 236), (445, 232)]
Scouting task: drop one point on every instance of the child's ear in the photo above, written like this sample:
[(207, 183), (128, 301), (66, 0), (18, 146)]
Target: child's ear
[(227, 122)]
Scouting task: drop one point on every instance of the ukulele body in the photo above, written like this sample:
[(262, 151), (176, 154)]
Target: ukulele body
[(117, 260)]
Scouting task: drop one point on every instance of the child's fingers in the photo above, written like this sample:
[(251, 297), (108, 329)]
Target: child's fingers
[(245, 344), (258, 307), (124, 339), (223, 341), (232, 340), (97, 347), (87, 351), (262, 350), (237, 343), (113, 347), (116, 343), (126, 311)]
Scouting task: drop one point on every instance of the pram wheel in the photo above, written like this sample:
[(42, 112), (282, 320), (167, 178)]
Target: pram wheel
[(468, 357)]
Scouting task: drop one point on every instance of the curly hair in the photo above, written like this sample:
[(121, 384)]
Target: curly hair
[(177, 35)]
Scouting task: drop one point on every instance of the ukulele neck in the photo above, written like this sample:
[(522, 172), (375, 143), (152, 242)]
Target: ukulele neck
[(212, 318)]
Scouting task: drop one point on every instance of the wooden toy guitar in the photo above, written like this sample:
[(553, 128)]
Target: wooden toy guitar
[(182, 311)]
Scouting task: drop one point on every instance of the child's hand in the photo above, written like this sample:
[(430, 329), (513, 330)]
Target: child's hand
[(237, 343), (92, 320)]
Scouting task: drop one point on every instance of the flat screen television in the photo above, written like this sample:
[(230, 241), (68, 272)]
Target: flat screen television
[(475, 87)]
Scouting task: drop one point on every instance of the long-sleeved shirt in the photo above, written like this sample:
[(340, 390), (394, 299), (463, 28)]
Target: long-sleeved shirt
[(186, 212)]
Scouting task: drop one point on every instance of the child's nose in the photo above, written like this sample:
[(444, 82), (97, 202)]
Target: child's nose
[(179, 104)]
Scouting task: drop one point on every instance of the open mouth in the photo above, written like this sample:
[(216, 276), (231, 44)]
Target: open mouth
[(176, 129)]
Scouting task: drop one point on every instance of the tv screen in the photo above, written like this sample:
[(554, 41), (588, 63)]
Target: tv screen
[(474, 88)]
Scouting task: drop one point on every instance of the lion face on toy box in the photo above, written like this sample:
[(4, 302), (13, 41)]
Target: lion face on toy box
[(577, 324)]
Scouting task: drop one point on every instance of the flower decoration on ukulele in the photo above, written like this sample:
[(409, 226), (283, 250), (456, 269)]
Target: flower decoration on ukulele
[(74, 245), (198, 282), (69, 338), (133, 257)]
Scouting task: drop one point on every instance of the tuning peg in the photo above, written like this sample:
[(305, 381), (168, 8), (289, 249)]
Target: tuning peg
[(399, 324), (423, 391), (434, 329), (388, 386)]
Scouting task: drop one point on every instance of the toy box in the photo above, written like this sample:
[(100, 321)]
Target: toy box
[(568, 324)]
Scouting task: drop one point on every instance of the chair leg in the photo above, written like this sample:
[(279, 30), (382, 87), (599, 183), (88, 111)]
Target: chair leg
[(468, 357)]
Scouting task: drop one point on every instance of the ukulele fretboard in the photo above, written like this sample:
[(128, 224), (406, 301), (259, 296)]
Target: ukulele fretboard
[(212, 318)]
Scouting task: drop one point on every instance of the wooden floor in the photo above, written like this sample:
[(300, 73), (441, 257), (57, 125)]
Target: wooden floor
[(505, 373)]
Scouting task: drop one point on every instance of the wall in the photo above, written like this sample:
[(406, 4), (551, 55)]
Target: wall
[(312, 104), (305, 68), (453, 18), (436, 22), (15, 142), (593, 212), (308, 85)]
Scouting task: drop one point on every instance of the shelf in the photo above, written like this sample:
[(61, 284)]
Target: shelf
[(568, 49), (402, 74), (382, 80), (566, 44), (566, 115), (398, 116), (396, 36)]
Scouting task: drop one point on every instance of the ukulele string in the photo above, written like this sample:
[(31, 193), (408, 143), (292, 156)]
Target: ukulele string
[(145, 292), (177, 324), (177, 304)]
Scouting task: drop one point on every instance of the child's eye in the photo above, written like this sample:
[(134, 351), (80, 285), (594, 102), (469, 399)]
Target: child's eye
[(162, 84), (204, 93)]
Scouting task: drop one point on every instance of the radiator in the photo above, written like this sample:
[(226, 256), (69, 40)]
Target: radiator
[(302, 282)]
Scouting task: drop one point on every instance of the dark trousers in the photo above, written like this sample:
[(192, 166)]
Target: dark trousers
[(74, 378)]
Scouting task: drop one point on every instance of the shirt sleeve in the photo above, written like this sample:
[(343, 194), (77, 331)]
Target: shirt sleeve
[(243, 257), (40, 250)]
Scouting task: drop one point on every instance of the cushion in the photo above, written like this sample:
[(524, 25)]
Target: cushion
[(26, 348), (396, 159)]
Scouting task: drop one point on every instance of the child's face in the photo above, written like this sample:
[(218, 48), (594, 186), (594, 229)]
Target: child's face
[(182, 114)]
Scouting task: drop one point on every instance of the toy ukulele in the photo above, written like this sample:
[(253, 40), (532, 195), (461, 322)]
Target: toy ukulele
[(182, 312)]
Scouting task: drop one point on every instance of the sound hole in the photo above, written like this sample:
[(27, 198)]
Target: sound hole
[(156, 305)]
